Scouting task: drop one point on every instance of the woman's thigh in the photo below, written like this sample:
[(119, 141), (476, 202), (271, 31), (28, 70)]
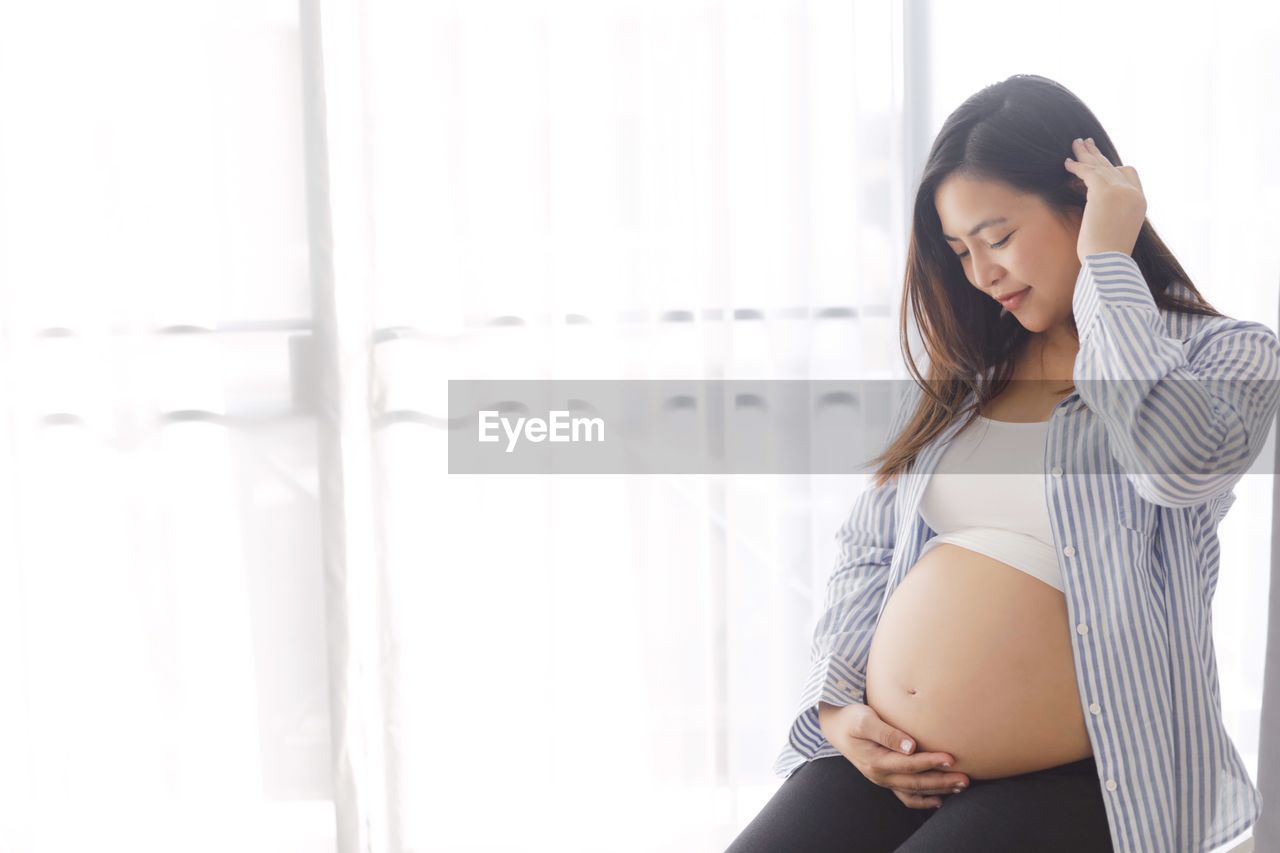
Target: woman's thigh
[(1058, 809), (828, 806)]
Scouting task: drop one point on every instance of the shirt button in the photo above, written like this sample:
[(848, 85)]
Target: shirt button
[(1111, 784), (1056, 471), (1082, 628), (1095, 708), (1070, 551)]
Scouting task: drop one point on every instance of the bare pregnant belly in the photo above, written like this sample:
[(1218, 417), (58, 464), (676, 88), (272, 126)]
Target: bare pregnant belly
[(973, 657)]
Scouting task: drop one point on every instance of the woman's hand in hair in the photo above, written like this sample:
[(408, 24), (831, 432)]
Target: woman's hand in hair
[(1115, 206)]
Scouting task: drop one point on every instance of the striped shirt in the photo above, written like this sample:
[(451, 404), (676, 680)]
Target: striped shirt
[(1138, 551)]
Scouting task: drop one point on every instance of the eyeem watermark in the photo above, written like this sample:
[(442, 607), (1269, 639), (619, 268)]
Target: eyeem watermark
[(807, 427), (535, 429)]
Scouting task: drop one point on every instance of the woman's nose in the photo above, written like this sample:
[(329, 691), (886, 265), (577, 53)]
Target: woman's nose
[(985, 274)]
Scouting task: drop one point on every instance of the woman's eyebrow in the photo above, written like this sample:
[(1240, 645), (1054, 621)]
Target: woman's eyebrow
[(983, 224)]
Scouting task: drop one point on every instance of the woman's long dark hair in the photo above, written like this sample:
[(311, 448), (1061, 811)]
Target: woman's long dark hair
[(1018, 131)]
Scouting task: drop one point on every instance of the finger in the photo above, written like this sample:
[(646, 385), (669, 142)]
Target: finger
[(1088, 154), (916, 801), (1093, 148), (895, 740), (922, 782), (1080, 169), (1090, 175), (1084, 152), (941, 787), (918, 763)]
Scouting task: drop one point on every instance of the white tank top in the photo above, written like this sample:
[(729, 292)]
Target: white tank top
[(983, 496)]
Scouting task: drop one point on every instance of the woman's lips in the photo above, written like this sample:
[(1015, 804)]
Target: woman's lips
[(1013, 301)]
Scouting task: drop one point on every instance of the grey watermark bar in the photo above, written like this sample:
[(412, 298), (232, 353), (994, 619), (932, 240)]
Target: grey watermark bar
[(1192, 429)]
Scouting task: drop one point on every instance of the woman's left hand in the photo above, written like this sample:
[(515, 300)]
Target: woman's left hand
[(1115, 206)]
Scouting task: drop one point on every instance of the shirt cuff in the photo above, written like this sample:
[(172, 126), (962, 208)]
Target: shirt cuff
[(1111, 280), (830, 680)]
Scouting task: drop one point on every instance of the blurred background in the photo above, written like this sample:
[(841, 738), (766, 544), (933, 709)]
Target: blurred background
[(243, 247)]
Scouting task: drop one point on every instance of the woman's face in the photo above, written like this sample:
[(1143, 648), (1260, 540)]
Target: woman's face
[(1017, 243)]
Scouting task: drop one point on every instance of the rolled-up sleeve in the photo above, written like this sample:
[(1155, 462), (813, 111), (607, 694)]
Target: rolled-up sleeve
[(1183, 429)]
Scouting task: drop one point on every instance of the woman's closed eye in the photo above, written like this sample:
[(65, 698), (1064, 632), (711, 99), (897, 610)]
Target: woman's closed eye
[(999, 245)]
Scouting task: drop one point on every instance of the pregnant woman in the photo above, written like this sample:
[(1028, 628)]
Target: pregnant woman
[(1016, 653)]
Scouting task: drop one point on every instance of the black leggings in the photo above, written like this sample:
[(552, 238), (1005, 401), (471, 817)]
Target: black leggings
[(828, 806)]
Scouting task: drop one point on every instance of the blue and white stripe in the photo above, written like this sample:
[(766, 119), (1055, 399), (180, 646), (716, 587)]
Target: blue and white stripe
[(1170, 410)]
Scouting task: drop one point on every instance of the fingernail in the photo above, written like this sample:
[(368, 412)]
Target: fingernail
[(906, 746), (946, 764)]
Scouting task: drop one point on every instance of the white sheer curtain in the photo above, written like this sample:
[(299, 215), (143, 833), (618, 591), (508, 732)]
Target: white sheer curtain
[(245, 245), (163, 652), (608, 191)]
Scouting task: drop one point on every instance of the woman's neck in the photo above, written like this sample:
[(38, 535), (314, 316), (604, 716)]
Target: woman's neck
[(1046, 360)]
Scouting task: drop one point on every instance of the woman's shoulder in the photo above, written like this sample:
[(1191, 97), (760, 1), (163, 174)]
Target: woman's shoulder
[(1225, 347), (1195, 330)]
